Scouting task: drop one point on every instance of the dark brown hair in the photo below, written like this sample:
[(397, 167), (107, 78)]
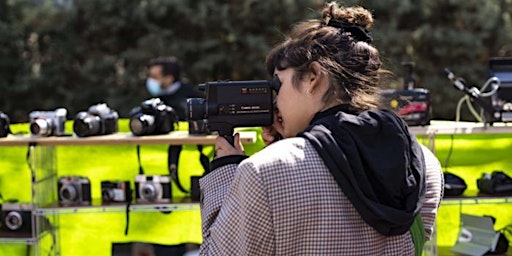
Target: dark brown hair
[(352, 64)]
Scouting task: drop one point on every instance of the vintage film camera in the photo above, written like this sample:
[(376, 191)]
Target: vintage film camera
[(74, 190), (153, 188), (232, 104), (501, 101), (116, 191), (411, 104), (4, 125), (99, 119), (48, 123), (152, 117), (17, 217)]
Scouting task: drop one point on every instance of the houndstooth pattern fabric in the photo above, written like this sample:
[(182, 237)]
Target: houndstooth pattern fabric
[(284, 201)]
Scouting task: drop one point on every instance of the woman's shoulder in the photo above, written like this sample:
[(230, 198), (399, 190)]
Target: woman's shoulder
[(282, 152)]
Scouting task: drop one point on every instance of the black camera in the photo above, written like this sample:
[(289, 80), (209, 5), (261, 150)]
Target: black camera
[(48, 123), (17, 217), (99, 119), (116, 191), (4, 125), (495, 183), (234, 104), (153, 188), (74, 190), (152, 117)]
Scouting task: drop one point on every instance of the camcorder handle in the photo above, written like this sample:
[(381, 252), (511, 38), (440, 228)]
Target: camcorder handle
[(225, 130)]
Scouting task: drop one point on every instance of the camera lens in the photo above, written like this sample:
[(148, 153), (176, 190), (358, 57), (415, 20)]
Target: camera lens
[(107, 194), (196, 109), (142, 124), (148, 191), (13, 220), (86, 125), (40, 127), (4, 125), (68, 193)]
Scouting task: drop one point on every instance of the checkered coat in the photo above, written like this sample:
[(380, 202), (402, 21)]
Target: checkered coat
[(284, 201)]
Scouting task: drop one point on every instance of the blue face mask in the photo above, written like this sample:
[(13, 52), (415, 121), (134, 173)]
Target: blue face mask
[(154, 87)]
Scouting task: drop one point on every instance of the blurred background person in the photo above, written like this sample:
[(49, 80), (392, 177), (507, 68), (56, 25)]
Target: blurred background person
[(164, 81)]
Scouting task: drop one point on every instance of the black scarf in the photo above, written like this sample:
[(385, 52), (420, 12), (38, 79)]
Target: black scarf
[(376, 162)]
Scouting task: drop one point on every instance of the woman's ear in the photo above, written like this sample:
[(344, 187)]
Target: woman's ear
[(315, 77)]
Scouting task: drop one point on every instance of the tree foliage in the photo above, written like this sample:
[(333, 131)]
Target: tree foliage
[(77, 53)]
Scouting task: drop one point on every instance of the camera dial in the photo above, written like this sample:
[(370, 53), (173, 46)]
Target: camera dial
[(13, 220)]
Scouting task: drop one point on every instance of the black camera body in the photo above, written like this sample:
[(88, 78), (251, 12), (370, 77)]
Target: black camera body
[(152, 117), (4, 125), (116, 191), (48, 123), (74, 190), (495, 183), (17, 217), (153, 189), (232, 104), (99, 119)]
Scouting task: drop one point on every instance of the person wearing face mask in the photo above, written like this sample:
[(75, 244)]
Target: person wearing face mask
[(348, 178), (164, 82)]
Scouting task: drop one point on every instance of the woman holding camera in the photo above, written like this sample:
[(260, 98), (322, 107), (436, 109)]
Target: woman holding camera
[(347, 179)]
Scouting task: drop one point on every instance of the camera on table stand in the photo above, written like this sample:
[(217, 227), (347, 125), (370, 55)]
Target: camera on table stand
[(153, 189), (74, 191), (17, 218), (152, 117), (99, 119), (48, 123)]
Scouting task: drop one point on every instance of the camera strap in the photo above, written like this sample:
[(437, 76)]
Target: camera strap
[(173, 159), (141, 169)]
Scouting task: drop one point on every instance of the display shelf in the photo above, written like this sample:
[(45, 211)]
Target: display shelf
[(184, 204), (479, 199), (450, 127), (21, 238), (173, 138)]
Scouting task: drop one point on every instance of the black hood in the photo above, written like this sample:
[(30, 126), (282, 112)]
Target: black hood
[(376, 162)]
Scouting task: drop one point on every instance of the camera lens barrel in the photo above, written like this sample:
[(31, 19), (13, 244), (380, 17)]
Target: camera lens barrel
[(148, 191), (40, 127), (86, 125), (196, 109), (13, 220), (142, 124), (68, 193)]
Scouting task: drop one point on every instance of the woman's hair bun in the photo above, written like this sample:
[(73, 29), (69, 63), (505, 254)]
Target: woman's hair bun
[(356, 15)]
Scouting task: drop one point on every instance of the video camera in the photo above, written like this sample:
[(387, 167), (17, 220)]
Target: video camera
[(232, 104)]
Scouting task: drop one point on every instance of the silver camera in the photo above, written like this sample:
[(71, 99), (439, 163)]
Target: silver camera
[(48, 123), (153, 188), (17, 217), (74, 190)]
